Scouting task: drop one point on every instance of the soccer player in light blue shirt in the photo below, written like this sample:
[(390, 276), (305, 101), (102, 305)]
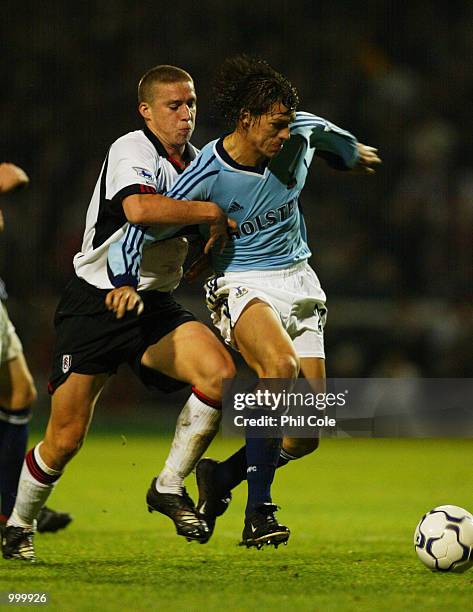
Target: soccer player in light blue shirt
[(264, 298), (264, 199)]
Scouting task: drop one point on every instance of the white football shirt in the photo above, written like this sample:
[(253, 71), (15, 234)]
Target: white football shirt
[(136, 163)]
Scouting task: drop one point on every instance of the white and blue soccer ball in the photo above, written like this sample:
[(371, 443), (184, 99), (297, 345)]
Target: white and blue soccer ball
[(443, 539)]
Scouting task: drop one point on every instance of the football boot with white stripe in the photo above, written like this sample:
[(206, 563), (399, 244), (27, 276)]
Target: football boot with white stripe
[(262, 528), (180, 509), (17, 543)]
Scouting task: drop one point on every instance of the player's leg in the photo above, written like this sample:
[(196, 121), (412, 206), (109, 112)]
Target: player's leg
[(217, 479), (17, 388), (17, 392), (72, 407), (274, 359), (190, 353), (301, 301), (264, 344), (313, 369), (193, 354), (228, 474)]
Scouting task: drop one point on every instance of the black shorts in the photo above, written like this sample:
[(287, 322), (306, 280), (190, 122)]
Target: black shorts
[(90, 340)]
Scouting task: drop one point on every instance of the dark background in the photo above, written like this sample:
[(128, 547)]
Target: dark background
[(394, 252)]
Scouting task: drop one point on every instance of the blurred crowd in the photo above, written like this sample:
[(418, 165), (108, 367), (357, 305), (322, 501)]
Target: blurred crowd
[(394, 251)]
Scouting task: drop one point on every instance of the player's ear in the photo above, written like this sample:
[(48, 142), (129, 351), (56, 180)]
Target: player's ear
[(245, 119), (144, 110)]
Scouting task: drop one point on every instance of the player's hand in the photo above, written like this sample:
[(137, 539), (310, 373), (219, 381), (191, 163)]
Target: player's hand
[(12, 177), (198, 267), (367, 158), (218, 231), (122, 300), (2, 221)]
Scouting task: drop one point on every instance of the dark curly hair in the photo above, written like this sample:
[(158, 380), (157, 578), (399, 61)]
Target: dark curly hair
[(250, 84)]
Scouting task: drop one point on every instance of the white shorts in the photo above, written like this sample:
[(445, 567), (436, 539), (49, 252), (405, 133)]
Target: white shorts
[(294, 294), (10, 344)]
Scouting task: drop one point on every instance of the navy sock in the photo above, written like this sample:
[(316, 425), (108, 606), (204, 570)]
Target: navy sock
[(262, 456), (13, 439), (229, 473), (232, 471)]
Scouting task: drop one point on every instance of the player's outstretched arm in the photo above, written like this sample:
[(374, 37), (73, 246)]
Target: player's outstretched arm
[(339, 148), (12, 177)]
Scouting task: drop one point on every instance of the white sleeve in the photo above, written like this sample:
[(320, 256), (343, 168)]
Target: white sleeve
[(132, 167)]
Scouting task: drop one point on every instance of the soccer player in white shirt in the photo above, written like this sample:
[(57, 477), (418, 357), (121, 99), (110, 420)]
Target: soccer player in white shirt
[(97, 322)]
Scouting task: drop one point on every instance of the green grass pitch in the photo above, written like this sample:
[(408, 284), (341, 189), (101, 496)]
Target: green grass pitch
[(352, 508)]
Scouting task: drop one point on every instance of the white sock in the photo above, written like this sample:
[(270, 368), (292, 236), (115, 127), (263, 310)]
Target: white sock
[(37, 480), (195, 429)]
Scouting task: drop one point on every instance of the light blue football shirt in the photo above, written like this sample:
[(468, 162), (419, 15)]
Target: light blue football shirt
[(264, 201)]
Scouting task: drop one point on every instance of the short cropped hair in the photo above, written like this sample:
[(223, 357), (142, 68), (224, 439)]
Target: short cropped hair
[(160, 74), (250, 84)]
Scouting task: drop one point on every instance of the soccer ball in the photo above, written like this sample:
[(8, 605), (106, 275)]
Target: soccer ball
[(443, 539)]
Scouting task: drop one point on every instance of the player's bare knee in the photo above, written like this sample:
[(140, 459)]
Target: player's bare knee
[(223, 368), (227, 369), (66, 444), (20, 396), (24, 396), (210, 381), (66, 449), (282, 366), (299, 447)]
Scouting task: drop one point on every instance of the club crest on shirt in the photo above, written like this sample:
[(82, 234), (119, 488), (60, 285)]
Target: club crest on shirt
[(143, 173), (240, 292), (66, 363)]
